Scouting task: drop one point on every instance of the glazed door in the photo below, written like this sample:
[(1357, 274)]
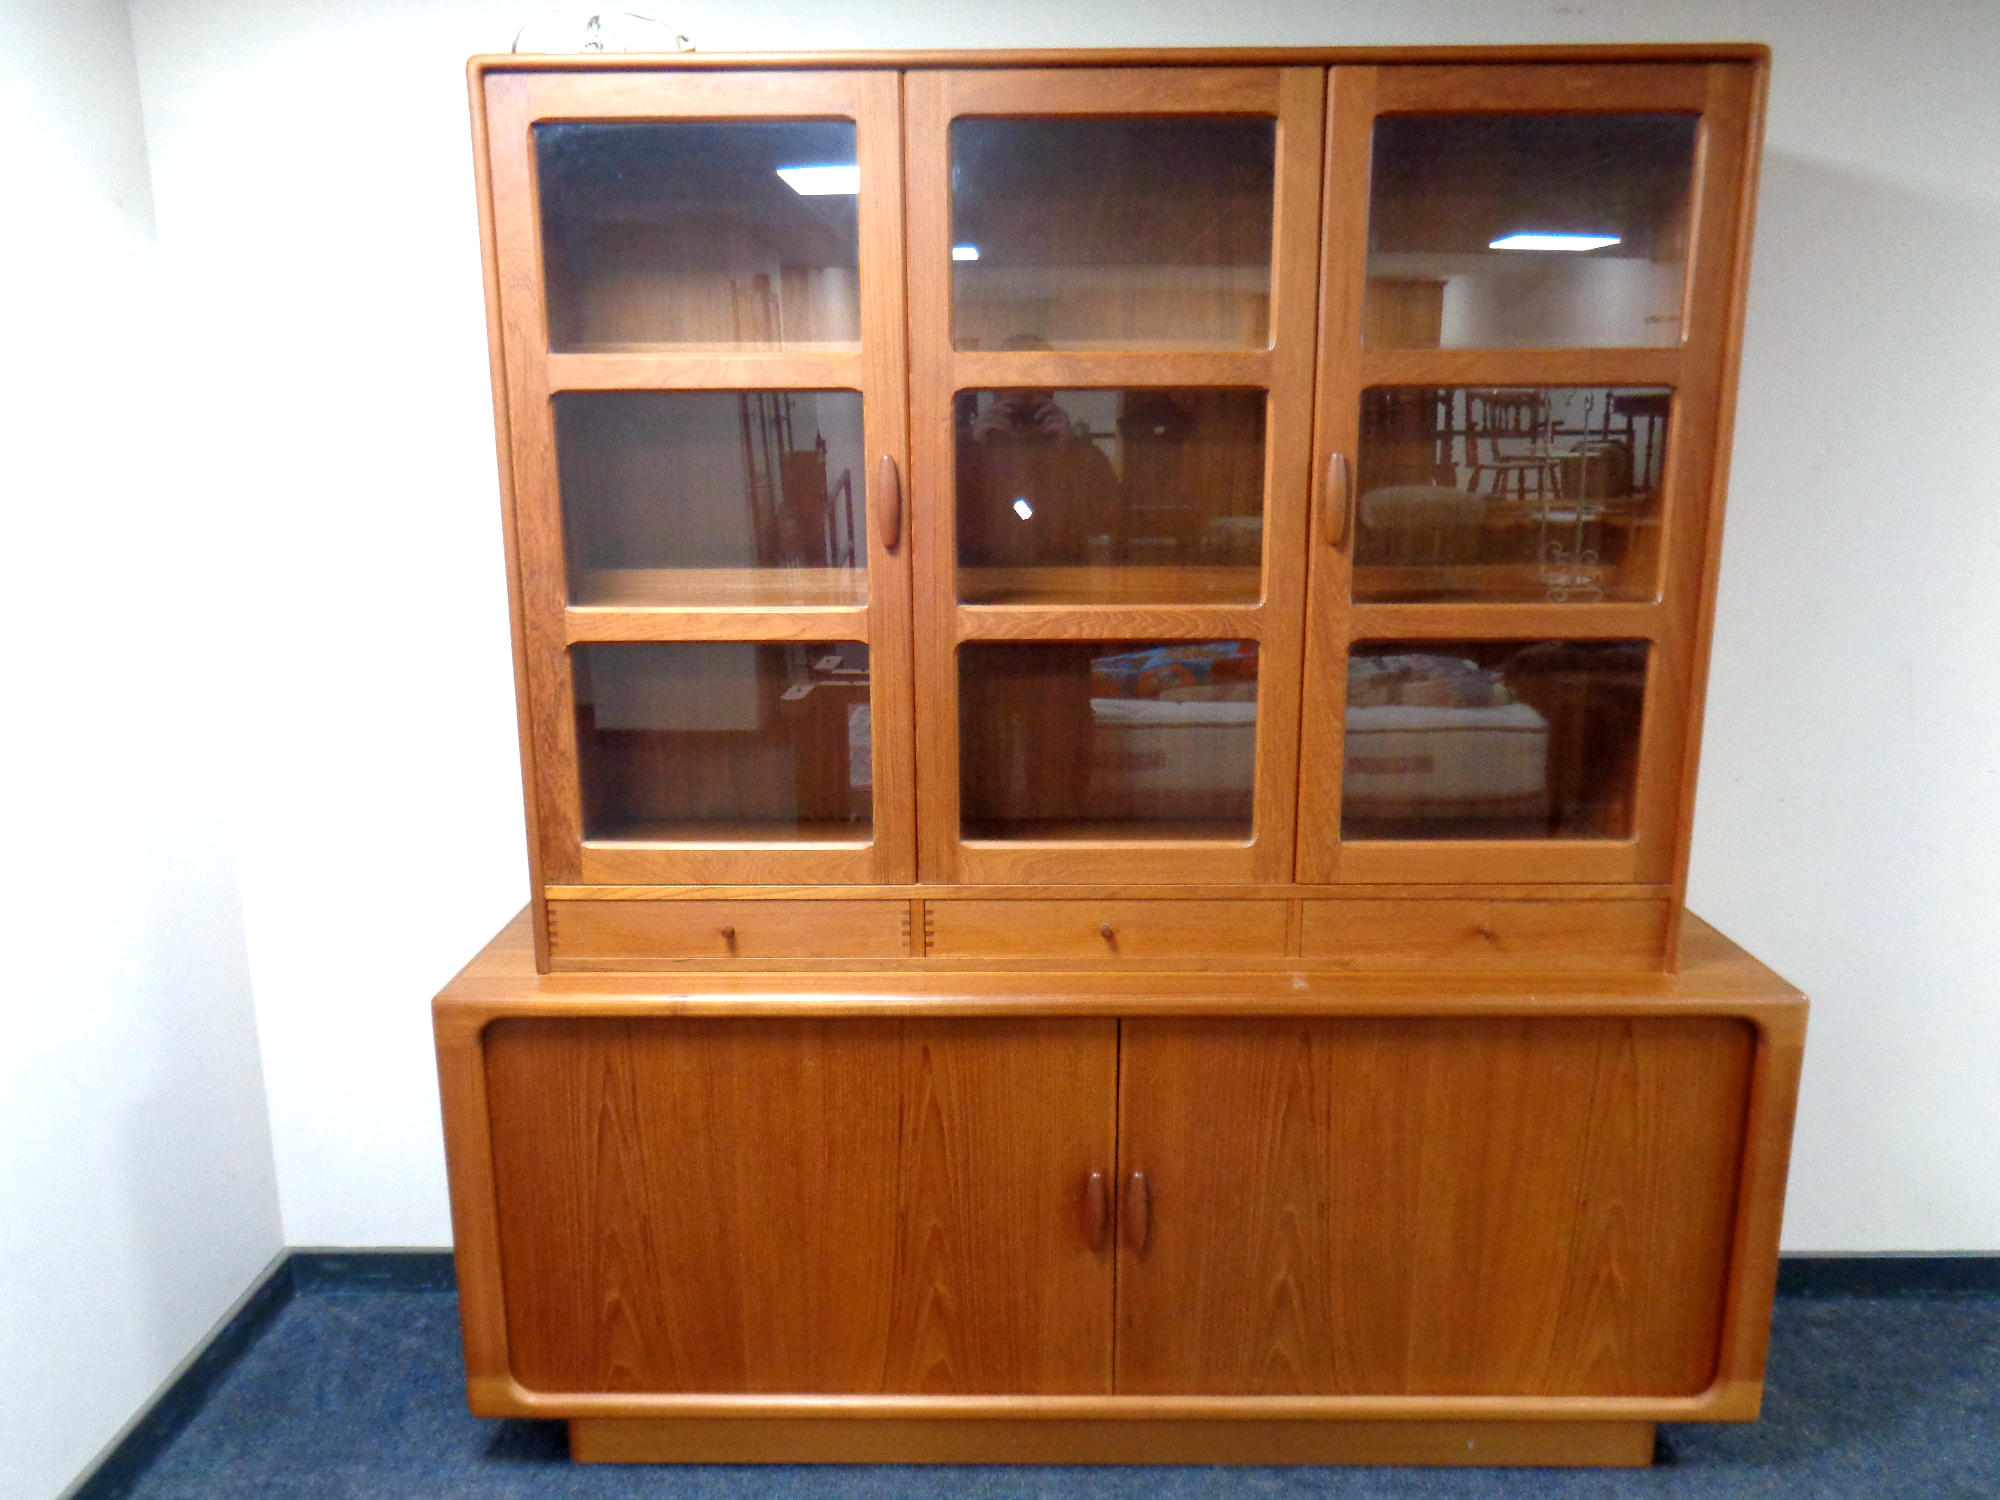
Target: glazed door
[(1427, 1207), (1111, 305), (829, 1206), (1530, 311), (701, 292)]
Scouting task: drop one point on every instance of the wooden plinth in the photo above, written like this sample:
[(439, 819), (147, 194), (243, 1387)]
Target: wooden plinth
[(734, 1440)]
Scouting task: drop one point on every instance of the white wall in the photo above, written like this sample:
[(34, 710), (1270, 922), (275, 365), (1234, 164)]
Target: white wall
[(316, 221), (138, 1196)]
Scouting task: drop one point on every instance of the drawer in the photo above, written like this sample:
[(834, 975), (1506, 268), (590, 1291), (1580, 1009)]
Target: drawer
[(1574, 936), (1105, 929), (719, 930)]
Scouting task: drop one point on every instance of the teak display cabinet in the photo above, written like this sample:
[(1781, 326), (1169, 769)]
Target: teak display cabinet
[(1110, 653)]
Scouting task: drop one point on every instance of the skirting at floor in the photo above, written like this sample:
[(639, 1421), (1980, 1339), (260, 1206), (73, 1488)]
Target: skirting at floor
[(353, 1387)]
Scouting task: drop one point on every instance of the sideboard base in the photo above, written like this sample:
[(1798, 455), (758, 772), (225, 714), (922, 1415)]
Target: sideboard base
[(753, 1440)]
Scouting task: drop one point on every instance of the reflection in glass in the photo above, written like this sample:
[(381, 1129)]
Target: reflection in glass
[(674, 497), (1492, 739), (1612, 191), (1110, 496), (685, 233), (1112, 233), (1543, 493), (1113, 740), (724, 742)]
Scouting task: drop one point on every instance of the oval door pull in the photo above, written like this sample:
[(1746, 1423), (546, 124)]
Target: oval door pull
[(1097, 1210), (1337, 501), (1138, 1213), (1104, 931), (728, 936), (889, 503)]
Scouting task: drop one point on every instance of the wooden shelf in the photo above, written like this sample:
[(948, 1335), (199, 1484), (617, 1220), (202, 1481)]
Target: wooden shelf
[(824, 834), (1085, 585), (1228, 832), (722, 588)]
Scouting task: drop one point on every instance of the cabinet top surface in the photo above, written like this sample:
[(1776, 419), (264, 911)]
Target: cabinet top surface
[(1715, 975), (1047, 57)]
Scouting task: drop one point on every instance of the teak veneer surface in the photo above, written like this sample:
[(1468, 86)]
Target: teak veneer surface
[(802, 1205), (1400, 1207), (1113, 1143), (1714, 976), (1530, 1206), (750, 1440), (1601, 1160), (1113, 57)]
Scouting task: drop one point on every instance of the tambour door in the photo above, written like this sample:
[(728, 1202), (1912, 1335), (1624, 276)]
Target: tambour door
[(1532, 282), (700, 291), (812, 1206), (1111, 311), (1482, 1206)]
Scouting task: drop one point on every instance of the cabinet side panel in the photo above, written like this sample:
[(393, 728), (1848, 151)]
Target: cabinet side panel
[(1431, 1207)]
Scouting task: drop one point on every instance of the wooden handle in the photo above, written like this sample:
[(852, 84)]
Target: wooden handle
[(1104, 931), (889, 503), (1097, 1210), (1337, 501), (1138, 1213)]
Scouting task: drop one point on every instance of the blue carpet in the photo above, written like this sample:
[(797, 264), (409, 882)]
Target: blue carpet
[(361, 1396)]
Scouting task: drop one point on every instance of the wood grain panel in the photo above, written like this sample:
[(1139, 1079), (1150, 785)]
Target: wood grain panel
[(1442, 1207), (1099, 622), (1515, 89), (1530, 936), (711, 930), (769, 1206), (694, 370), (1569, 54), (767, 623), (991, 1440), (1105, 930), (1175, 91)]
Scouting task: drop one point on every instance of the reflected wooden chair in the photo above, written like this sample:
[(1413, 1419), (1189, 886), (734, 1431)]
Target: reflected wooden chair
[(1507, 437), (1641, 422)]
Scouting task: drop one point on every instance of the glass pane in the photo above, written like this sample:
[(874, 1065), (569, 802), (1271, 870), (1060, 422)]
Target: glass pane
[(1110, 740), (689, 234), (1112, 234), (1119, 496), (713, 497), (1547, 493), (1528, 231), (724, 742), (1492, 739)]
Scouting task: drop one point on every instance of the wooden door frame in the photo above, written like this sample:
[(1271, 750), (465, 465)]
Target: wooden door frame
[(508, 105), (933, 98), (1701, 370)]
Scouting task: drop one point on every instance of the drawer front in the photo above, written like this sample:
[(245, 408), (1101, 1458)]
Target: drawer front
[(1575, 936), (714, 931), (1108, 930)]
